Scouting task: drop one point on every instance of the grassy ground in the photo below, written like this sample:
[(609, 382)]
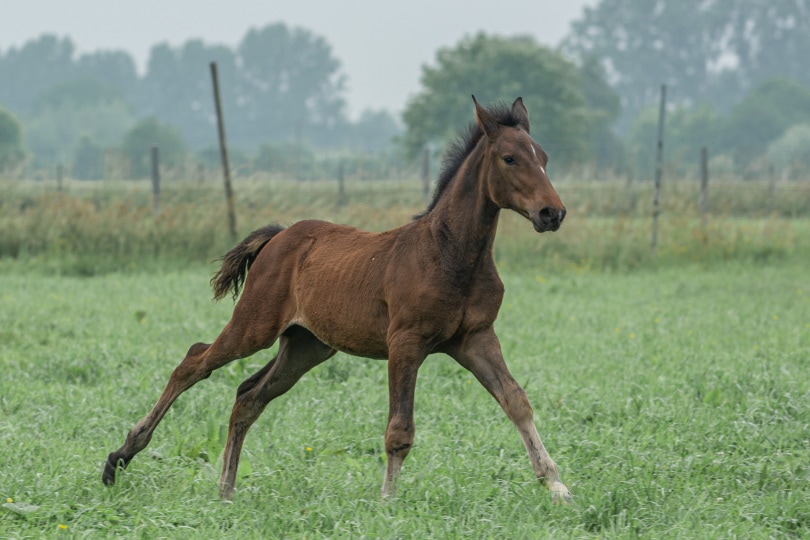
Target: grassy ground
[(675, 401)]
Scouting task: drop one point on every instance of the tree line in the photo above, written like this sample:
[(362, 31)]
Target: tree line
[(734, 70), (281, 84)]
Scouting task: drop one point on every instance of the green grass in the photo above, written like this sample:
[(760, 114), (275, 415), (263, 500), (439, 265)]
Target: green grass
[(676, 403)]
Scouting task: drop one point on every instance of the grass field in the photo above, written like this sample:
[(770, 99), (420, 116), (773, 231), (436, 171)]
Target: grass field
[(676, 402)]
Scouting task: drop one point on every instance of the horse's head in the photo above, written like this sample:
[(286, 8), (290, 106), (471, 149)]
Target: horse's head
[(517, 176)]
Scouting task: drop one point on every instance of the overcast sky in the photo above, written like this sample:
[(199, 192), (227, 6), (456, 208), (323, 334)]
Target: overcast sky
[(381, 44)]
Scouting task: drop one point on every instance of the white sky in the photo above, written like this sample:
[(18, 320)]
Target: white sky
[(381, 44)]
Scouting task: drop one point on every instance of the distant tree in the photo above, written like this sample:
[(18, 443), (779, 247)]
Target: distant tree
[(88, 160), (286, 158), (280, 83), (138, 142), (705, 50), (115, 69), (291, 86), (61, 115), (177, 89), (604, 108), (791, 151), (763, 116), (688, 129), (374, 131), (11, 146), (34, 68), (496, 68)]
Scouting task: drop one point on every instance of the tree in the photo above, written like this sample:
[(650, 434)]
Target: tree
[(374, 131), (705, 50), (604, 108), (88, 160), (34, 68), (61, 115), (791, 151), (138, 143), (11, 148), (496, 68), (291, 85), (763, 116), (279, 84), (687, 131), (177, 89)]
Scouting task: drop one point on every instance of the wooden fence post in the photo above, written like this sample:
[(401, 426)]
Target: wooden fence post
[(704, 185), (426, 172), (155, 179), (659, 168), (223, 152), (60, 173), (341, 198)]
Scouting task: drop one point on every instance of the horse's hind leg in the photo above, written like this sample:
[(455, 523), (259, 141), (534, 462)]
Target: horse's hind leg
[(299, 351), (235, 341)]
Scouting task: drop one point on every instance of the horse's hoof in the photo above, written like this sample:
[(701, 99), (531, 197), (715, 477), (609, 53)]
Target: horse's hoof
[(559, 493), (108, 476)]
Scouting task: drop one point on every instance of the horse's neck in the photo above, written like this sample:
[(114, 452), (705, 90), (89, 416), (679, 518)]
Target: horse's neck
[(465, 220)]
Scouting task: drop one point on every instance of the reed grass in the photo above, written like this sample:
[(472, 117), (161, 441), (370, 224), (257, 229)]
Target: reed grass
[(97, 227)]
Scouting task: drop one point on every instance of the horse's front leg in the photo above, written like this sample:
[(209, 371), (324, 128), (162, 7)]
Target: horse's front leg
[(404, 361), (481, 354)]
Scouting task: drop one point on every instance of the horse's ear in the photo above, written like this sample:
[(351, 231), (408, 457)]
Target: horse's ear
[(519, 111), (485, 120)]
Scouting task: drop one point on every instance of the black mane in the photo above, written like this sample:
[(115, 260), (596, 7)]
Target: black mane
[(462, 147)]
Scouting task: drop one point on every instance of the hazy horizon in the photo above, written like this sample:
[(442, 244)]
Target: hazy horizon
[(381, 50)]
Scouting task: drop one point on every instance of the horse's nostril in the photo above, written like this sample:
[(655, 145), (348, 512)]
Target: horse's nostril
[(547, 214)]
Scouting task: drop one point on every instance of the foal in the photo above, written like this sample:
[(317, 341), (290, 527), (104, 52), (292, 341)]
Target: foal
[(428, 286)]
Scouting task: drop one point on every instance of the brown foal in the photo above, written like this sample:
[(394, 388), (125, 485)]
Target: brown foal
[(428, 286)]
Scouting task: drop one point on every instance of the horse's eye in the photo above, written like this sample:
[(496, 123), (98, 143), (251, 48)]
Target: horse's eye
[(509, 160)]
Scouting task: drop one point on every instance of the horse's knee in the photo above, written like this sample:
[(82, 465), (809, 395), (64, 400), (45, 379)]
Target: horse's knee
[(399, 437)]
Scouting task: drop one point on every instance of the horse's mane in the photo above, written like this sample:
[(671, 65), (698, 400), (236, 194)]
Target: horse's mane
[(462, 147)]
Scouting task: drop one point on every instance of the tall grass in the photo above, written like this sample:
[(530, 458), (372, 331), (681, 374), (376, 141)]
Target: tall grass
[(94, 228)]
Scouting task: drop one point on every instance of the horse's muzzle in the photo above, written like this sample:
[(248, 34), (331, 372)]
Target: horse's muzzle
[(548, 219)]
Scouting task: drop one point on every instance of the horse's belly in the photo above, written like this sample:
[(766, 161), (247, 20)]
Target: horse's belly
[(349, 321)]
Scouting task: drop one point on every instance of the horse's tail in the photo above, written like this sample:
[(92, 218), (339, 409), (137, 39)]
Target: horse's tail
[(235, 263)]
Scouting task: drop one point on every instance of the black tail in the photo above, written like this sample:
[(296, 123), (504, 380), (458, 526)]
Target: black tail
[(236, 262)]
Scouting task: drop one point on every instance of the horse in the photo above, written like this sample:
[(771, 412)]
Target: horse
[(429, 286)]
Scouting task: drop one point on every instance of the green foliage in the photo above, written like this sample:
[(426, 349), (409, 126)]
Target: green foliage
[(374, 131), (279, 83), (743, 135), (84, 92), (604, 108), (495, 68), (138, 143), (763, 116), (11, 147), (702, 50), (791, 151), (88, 160), (63, 114), (289, 158), (676, 407), (687, 130), (291, 80)]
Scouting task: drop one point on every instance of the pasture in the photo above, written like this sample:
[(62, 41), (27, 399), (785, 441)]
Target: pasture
[(675, 400)]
